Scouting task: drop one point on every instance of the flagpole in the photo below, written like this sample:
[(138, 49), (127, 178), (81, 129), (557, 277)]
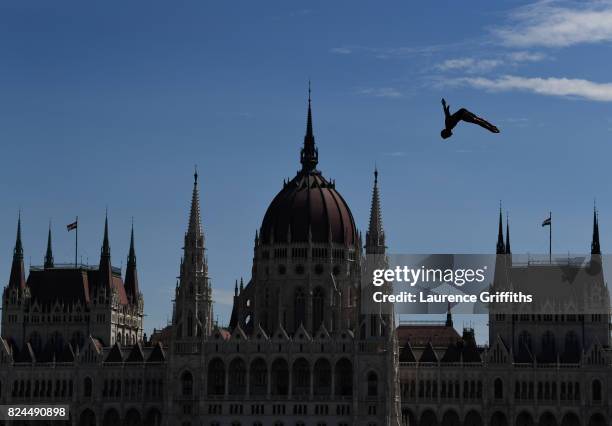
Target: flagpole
[(76, 243), (550, 238)]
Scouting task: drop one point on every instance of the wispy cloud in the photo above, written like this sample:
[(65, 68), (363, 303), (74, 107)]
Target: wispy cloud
[(341, 50), (525, 56), (470, 65), (395, 154), (551, 86), (558, 24), (381, 92), (398, 52)]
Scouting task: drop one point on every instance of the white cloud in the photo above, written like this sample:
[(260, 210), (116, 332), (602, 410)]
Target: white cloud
[(546, 23), (340, 50), (469, 65), (524, 56), (565, 87), (381, 92), (483, 65)]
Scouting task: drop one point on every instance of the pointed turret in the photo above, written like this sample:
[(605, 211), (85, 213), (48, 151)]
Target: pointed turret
[(131, 274), (375, 236), (49, 254), (17, 279), (106, 277), (508, 251), (194, 229), (595, 248), (309, 156), (194, 295), (501, 246)]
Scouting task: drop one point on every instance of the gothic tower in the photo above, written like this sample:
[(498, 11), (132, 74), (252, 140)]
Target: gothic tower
[(193, 313)]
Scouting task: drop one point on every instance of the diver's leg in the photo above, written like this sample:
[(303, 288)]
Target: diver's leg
[(470, 117)]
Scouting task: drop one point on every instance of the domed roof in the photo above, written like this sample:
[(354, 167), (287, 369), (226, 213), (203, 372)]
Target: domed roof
[(308, 206)]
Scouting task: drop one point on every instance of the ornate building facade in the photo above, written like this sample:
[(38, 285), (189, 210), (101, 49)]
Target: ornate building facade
[(298, 349), (540, 368)]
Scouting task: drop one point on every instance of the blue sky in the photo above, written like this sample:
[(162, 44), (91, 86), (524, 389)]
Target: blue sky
[(111, 105)]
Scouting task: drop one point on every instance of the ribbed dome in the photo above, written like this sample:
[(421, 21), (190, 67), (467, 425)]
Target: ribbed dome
[(308, 203)]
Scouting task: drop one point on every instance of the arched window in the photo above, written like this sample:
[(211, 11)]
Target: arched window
[(498, 388), (187, 384), (216, 377), (318, 307), (322, 374), (258, 377), (572, 347), (596, 390), (372, 384), (344, 377), (237, 377), (301, 377), (87, 387), (549, 349), (280, 377), (299, 308)]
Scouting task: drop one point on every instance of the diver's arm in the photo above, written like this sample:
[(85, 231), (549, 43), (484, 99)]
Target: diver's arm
[(446, 108)]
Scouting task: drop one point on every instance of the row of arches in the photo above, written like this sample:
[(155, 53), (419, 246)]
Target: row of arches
[(132, 417), (450, 389), (570, 347), (474, 418), (279, 378)]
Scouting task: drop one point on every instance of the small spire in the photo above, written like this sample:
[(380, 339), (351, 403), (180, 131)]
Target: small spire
[(195, 174), (105, 242), (131, 274), (132, 252), (17, 278), (501, 246), (595, 247), (449, 316), (236, 289), (508, 251), (241, 285), (105, 268), (18, 251), (194, 228), (49, 254), (375, 236), (309, 156)]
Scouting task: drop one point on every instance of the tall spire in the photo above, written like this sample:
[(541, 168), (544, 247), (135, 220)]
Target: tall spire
[(309, 156), (131, 275), (194, 228), (375, 236), (49, 254), (17, 278), (105, 242), (501, 247), (508, 251), (595, 248), (106, 277)]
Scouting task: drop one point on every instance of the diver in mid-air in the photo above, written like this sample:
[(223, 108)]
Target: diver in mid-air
[(451, 120)]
